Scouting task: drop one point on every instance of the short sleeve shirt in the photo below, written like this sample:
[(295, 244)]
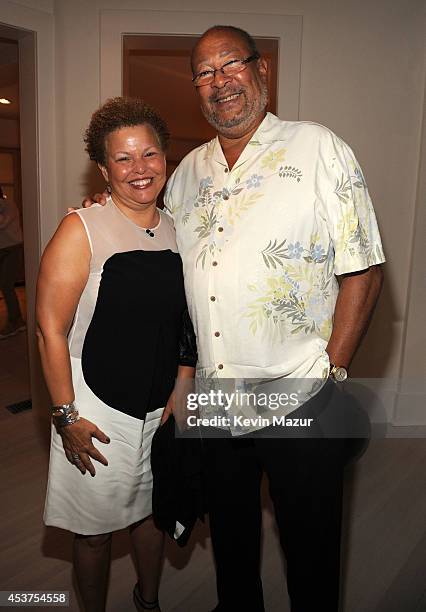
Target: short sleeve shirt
[(262, 243)]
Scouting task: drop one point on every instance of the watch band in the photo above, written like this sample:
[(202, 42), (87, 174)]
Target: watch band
[(338, 373)]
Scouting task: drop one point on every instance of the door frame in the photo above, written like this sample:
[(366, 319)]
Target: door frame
[(286, 28), (34, 31)]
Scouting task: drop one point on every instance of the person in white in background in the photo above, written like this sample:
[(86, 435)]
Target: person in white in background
[(10, 257)]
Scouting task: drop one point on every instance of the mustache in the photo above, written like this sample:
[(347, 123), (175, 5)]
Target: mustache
[(224, 94)]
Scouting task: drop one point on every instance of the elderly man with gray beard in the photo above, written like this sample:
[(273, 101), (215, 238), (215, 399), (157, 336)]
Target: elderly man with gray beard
[(267, 214)]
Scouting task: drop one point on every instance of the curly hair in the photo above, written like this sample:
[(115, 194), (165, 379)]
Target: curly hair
[(115, 114)]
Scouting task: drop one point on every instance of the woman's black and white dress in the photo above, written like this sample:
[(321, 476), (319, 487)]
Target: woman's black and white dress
[(124, 348)]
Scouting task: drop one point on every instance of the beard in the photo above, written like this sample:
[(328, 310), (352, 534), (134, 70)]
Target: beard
[(250, 110)]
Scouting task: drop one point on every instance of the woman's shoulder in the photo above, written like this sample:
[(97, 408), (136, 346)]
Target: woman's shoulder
[(70, 234), (95, 218)]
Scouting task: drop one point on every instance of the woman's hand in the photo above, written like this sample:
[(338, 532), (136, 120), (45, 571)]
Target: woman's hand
[(98, 198), (77, 440), (177, 404), (170, 406)]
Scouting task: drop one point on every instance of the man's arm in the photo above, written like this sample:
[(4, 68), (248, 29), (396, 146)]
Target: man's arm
[(355, 304)]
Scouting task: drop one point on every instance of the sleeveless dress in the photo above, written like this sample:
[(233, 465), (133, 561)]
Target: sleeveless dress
[(124, 350)]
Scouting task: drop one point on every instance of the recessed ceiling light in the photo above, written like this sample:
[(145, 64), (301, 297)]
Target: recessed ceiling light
[(5, 101)]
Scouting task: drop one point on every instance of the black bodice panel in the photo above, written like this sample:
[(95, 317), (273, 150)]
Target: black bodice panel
[(131, 349)]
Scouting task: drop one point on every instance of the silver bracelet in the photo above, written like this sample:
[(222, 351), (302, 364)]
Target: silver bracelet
[(65, 414)]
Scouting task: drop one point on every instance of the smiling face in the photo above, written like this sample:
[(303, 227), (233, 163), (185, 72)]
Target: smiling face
[(233, 105), (135, 166)]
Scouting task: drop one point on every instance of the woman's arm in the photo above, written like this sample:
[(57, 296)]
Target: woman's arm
[(184, 384), (177, 402), (63, 274), (64, 271)]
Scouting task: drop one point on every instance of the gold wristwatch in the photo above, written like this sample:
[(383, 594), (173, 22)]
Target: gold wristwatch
[(338, 373)]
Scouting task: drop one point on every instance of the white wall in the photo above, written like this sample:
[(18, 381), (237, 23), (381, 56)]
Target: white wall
[(47, 6), (410, 405)]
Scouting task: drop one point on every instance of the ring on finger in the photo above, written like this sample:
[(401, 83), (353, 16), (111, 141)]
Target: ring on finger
[(76, 457)]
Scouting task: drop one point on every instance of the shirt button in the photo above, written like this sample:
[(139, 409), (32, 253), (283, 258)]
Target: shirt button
[(226, 197), (220, 366), (212, 298), (214, 263), (217, 334), (220, 229), (226, 170)]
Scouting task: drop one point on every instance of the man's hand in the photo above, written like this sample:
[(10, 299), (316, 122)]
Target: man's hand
[(98, 198), (77, 440)]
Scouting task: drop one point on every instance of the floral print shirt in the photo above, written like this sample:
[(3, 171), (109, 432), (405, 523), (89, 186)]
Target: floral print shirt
[(262, 244)]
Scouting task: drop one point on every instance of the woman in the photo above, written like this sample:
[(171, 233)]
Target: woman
[(110, 307)]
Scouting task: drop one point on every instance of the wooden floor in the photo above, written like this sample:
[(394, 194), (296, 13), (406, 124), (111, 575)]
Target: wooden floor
[(384, 562)]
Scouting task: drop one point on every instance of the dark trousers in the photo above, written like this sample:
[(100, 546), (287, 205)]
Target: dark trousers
[(305, 483)]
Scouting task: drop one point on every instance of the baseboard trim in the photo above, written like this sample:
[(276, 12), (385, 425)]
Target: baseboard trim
[(410, 409)]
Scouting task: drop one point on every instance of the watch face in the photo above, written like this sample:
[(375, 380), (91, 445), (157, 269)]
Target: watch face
[(340, 374)]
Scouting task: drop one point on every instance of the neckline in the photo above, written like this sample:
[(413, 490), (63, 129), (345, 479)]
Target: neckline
[(139, 227), (219, 155)]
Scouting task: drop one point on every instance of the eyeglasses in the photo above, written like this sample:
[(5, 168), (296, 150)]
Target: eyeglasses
[(205, 77)]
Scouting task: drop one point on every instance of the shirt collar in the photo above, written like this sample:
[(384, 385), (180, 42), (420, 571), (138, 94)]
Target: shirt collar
[(268, 132)]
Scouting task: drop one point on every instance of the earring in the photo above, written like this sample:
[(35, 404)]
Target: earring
[(108, 188)]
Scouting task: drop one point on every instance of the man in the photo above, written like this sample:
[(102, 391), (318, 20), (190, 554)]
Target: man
[(267, 215)]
